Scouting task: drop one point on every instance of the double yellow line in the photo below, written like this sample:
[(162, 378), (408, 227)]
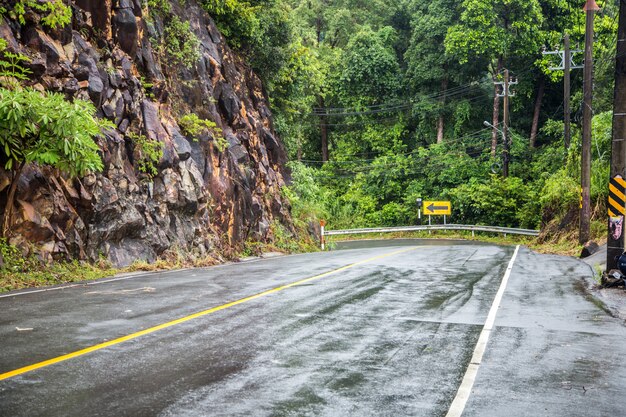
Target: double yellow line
[(181, 320)]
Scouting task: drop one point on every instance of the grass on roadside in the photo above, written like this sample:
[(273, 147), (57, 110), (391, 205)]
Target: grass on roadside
[(53, 274)]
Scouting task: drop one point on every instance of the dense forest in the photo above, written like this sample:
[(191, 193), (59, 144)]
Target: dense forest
[(380, 103)]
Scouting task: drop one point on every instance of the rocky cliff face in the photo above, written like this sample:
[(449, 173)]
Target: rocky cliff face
[(202, 200)]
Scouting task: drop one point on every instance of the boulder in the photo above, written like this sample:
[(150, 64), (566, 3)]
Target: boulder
[(125, 30)]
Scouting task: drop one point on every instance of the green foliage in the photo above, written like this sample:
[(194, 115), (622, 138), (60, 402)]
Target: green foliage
[(149, 154), (19, 271), (54, 13), (193, 127), (385, 80), (370, 68), (181, 45), (493, 29), (147, 87), (12, 258), (260, 29), (12, 70), (497, 201), (162, 7), (46, 129), (282, 238)]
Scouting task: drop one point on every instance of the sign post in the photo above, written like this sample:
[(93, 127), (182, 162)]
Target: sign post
[(419, 208), (322, 226)]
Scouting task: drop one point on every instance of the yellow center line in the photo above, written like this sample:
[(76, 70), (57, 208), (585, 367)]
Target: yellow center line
[(181, 320)]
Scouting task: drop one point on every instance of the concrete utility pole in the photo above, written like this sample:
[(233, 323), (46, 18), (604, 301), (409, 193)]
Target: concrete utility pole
[(567, 64), (585, 172), (506, 93), (617, 203)]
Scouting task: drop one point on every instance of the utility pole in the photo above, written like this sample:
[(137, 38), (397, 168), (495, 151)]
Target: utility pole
[(585, 171), (616, 203), (506, 93), (567, 64)]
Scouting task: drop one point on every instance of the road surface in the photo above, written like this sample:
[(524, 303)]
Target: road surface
[(400, 328)]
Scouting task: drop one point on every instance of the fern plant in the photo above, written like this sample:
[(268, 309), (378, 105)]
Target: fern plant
[(11, 69)]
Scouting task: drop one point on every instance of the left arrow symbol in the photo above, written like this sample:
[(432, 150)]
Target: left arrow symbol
[(433, 207)]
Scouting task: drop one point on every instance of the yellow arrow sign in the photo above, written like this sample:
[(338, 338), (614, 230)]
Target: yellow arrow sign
[(437, 208)]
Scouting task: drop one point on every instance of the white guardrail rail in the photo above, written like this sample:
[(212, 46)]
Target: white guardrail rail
[(492, 229)]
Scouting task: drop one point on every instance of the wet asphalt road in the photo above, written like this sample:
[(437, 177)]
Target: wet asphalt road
[(391, 335)]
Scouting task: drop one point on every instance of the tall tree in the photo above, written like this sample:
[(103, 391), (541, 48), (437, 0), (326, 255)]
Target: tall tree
[(495, 30), (430, 73)]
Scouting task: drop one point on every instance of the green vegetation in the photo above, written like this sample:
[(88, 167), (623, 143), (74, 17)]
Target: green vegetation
[(181, 45), (45, 129), (148, 152), (12, 70), (162, 7), (193, 127), (17, 271), (259, 29), (54, 13)]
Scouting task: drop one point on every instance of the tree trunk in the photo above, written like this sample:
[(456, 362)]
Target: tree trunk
[(442, 103), (324, 131), (496, 109), (535, 127), (8, 211)]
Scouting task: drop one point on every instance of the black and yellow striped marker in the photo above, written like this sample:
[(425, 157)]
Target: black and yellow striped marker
[(617, 196)]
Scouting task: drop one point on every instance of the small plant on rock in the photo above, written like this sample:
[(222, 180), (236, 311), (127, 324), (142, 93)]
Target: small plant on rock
[(193, 126), (11, 70), (55, 13), (181, 45), (150, 153)]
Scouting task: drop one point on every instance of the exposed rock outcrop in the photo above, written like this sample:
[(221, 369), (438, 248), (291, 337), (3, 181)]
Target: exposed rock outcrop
[(202, 200)]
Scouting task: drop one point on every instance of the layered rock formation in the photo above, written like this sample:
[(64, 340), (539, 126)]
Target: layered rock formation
[(202, 200)]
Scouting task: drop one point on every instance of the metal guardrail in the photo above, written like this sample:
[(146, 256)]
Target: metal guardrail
[(492, 229)]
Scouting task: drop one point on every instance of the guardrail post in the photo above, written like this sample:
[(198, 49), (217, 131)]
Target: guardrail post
[(322, 239)]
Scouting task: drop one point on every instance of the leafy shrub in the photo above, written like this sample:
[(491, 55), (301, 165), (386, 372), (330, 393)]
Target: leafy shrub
[(181, 45), (55, 13), (495, 202), (48, 130), (194, 127), (162, 7), (150, 153), (260, 29)]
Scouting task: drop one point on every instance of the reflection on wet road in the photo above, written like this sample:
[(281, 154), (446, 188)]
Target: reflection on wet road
[(390, 332)]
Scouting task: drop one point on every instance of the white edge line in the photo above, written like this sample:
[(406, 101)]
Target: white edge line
[(90, 283), (458, 404)]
